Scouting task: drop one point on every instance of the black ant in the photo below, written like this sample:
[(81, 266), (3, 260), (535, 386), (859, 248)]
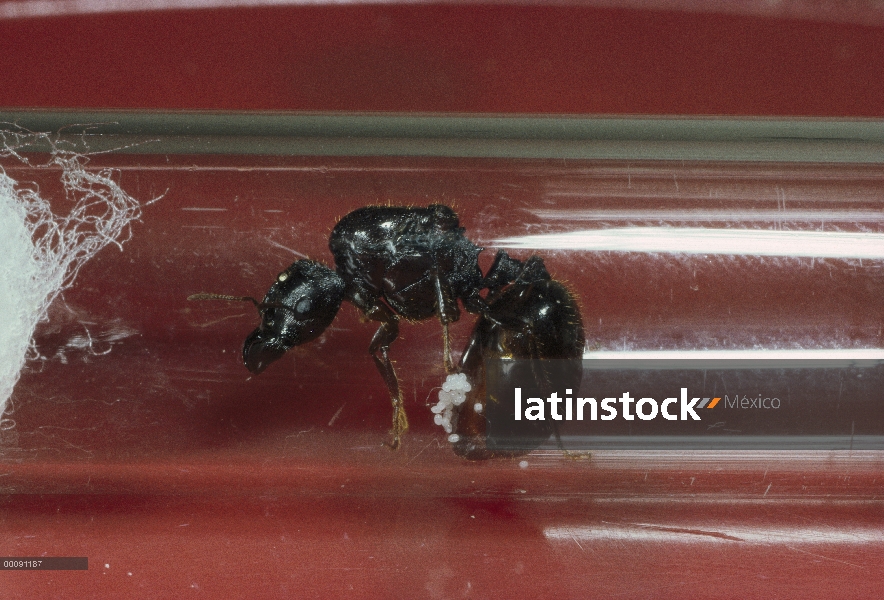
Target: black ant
[(415, 263)]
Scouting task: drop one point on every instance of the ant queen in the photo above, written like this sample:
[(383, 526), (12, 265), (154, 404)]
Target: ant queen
[(417, 263)]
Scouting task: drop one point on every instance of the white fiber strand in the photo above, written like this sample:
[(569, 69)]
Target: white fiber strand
[(41, 249)]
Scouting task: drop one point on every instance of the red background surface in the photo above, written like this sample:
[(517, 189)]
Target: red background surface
[(451, 58), (178, 475)]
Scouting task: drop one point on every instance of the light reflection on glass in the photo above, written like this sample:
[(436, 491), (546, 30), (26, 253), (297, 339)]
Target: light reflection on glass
[(679, 534), (760, 358), (687, 240)]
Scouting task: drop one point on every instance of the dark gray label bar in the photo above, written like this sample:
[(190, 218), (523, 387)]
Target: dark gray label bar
[(44, 563), (687, 404)]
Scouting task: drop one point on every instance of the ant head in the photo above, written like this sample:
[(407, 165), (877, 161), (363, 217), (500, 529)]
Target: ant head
[(298, 307)]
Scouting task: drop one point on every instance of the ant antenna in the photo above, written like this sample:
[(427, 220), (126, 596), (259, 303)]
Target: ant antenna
[(224, 297), (259, 305)]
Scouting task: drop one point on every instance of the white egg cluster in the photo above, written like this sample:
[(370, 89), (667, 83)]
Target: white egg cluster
[(454, 393)]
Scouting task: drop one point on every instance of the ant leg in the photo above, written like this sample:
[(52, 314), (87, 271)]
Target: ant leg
[(379, 348), (446, 349), (569, 454), (385, 334), (442, 311), (535, 354)]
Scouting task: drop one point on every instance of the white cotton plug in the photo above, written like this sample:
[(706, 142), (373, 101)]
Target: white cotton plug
[(41, 248), (20, 293)]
